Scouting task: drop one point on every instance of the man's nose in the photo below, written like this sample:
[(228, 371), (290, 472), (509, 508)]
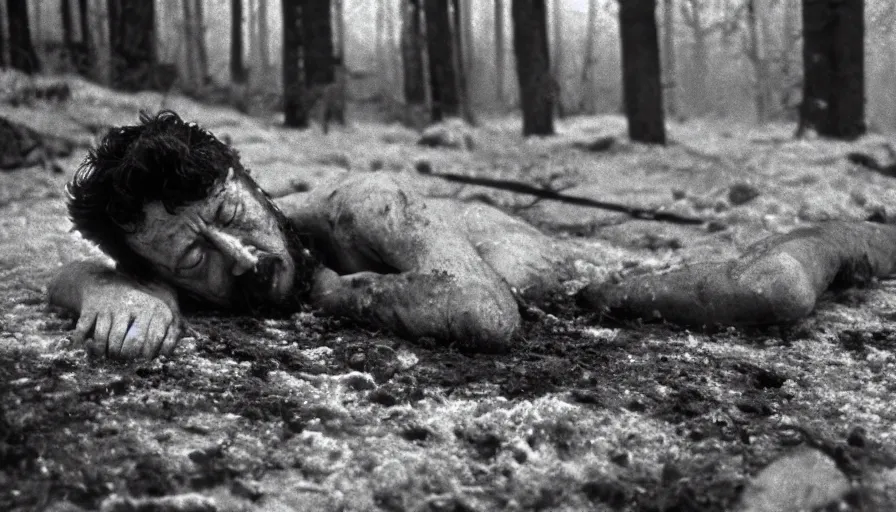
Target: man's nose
[(243, 259)]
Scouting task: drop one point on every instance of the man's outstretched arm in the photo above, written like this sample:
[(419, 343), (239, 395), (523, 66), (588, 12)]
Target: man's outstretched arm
[(117, 316), (415, 304), (776, 281)]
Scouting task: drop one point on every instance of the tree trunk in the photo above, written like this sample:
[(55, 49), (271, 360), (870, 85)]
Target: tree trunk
[(692, 11), (588, 101), (21, 52), (533, 66), (237, 67), (641, 71), (466, 28), (412, 62), (132, 44), (499, 51), (339, 29), (670, 77), (443, 82), (317, 33), (790, 61), (294, 111), (760, 64), (263, 39), (190, 63), (84, 58), (833, 68), (199, 43), (557, 71), (252, 67), (65, 13), (460, 29), (380, 35), (393, 57), (3, 36)]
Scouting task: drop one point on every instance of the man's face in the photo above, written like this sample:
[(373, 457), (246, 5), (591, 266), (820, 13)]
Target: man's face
[(227, 249)]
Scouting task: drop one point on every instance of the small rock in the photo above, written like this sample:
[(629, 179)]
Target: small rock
[(423, 166), (857, 437), (359, 381), (742, 193), (452, 133), (179, 503), (806, 479), (383, 397), (249, 489), (620, 458)]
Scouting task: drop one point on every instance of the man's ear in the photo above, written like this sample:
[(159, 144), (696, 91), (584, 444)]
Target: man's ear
[(231, 175)]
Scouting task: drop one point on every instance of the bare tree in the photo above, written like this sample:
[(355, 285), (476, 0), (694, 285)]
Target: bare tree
[(3, 36), (833, 68), (190, 51), (412, 43), (264, 57), (237, 67), (439, 45), (21, 51), (641, 71), (694, 13), (65, 13), (252, 67), (295, 113), (670, 76), (339, 29), (199, 42), (758, 56), (132, 40), (499, 50), (458, 29), (84, 57), (533, 66), (317, 32), (557, 58), (380, 42), (587, 102)]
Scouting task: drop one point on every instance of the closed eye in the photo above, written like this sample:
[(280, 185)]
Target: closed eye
[(227, 213), (192, 260)]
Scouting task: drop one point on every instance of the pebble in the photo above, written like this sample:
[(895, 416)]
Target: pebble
[(805, 479)]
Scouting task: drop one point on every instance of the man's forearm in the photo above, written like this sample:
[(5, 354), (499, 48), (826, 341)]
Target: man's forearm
[(67, 288), (415, 305)]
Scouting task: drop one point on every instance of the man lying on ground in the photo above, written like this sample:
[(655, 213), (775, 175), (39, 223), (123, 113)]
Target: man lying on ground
[(182, 219)]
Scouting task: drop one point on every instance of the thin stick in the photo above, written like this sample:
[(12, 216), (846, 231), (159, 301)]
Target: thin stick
[(523, 188)]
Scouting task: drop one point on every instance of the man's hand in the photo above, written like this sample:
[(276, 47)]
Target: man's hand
[(127, 320)]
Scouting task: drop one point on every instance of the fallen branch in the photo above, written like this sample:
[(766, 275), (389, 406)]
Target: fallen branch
[(523, 188)]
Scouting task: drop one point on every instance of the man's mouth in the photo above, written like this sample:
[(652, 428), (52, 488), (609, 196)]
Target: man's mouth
[(274, 277)]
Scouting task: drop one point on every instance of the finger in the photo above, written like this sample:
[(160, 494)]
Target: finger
[(101, 334), (171, 338), (82, 329), (135, 337), (116, 334), (155, 334)]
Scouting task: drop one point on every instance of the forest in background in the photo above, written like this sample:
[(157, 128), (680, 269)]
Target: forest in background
[(723, 63)]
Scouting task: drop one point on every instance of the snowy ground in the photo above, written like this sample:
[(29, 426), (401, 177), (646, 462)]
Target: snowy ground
[(309, 413)]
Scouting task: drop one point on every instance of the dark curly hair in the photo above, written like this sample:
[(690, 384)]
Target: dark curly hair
[(162, 159)]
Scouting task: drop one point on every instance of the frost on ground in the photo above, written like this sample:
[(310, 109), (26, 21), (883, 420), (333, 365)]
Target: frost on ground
[(311, 413)]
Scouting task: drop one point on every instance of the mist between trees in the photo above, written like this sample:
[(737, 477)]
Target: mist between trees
[(738, 59)]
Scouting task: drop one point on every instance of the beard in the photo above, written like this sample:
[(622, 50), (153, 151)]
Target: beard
[(252, 293)]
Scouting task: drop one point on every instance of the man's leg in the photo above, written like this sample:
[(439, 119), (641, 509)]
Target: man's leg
[(777, 280)]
